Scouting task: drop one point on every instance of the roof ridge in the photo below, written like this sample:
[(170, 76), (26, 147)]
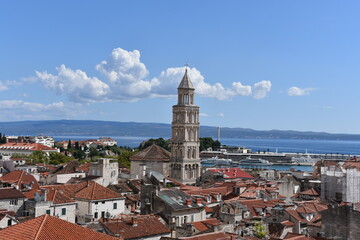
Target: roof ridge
[(40, 227), (22, 173), (92, 192)]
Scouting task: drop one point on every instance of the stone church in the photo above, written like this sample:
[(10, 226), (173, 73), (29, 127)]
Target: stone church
[(185, 160)]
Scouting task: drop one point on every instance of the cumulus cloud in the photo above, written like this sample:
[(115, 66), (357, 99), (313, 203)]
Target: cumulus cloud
[(4, 85), (221, 115), (261, 89), (296, 91), (125, 78), (78, 86)]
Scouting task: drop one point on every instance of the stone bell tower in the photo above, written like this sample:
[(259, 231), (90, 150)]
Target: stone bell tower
[(185, 160)]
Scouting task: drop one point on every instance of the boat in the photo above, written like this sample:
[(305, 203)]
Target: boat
[(216, 161), (254, 162), (304, 160)]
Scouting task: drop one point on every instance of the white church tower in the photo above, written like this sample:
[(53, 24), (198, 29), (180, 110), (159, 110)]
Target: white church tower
[(185, 160)]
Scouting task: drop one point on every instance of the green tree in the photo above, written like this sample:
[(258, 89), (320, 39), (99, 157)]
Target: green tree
[(78, 154), (38, 157), (69, 145), (124, 158), (56, 158), (158, 141), (208, 142), (260, 230)]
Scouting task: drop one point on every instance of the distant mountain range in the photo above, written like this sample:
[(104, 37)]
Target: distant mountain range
[(109, 128)]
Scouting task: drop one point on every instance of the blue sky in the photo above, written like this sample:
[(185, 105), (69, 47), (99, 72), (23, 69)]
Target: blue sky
[(289, 65)]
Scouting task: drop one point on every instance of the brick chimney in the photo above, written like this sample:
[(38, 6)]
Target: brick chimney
[(198, 200), (134, 221), (188, 202)]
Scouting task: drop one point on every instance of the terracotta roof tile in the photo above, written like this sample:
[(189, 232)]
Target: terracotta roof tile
[(152, 153), (95, 191), (48, 227), (211, 236), (7, 193), (26, 147), (231, 173), (136, 227), (19, 178), (310, 192)]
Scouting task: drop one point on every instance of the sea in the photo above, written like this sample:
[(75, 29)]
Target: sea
[(345, 147), (342, 147)]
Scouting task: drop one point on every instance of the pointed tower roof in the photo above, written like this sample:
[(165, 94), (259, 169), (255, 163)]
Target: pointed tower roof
[(186, 82)]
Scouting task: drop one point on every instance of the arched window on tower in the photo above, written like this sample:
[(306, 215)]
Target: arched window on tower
[(186, 99)]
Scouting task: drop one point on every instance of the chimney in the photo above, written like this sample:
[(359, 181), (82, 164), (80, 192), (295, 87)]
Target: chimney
[(198, 200), (134, 221), (188, 202), (44, 193)]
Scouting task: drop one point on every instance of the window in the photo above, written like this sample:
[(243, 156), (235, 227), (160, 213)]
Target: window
[(48, 211), (96, 215), (102, 214), (9, 222), (103, 202), (115, 205), (14, 202), (96, 203), (186, 99), (63, 211)]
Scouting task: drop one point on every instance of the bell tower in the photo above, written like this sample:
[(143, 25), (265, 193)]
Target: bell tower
[(185, 160)]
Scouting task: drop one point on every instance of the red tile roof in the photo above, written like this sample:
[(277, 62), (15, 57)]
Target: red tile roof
[(18, 178), (48, 227), (8, 193), (310, 192), (287, 223), (152, 153), (136, 227), (95, 191), (26, 147), (54, 195), (211, 236), (231, 173)]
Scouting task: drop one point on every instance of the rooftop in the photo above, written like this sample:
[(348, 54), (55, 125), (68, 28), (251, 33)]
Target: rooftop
[(47, 227)]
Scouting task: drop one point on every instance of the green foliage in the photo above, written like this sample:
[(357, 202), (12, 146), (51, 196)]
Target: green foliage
[(56, 158), (260, 230), (208, 142), (38, 157), (2, 139), (158, 141), (124, 158), (78, 154)]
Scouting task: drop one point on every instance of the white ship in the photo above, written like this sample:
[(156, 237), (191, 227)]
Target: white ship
[(254, 162), (216, 161), (304, 160)]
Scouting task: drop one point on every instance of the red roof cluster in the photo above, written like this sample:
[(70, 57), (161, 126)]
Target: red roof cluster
[(20, 179), (26, 147), (136, 227), (231, 173), (48, 227)]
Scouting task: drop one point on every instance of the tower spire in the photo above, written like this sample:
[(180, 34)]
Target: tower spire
[(186, 82)]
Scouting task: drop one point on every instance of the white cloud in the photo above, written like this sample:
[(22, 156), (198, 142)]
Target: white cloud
[(125, 78), (78, 86), (29, 106), (261, 89), (221, 115), (203, 114), (4, 85), (21, 110), (296, 91)]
